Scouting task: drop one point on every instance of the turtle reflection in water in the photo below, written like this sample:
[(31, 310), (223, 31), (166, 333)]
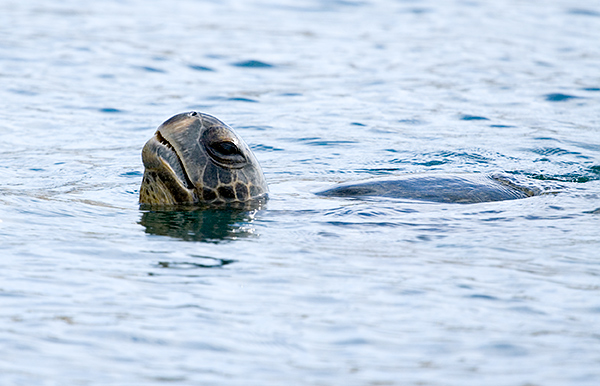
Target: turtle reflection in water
[(211, 225), (195, 158)]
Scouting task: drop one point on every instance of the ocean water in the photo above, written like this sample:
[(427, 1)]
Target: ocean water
[(309, 290)]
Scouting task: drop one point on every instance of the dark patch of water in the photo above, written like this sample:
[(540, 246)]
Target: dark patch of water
[(559, 97), (200, 68), (241, 99), (583, 12), (253, 64), (473, 118), (152, 69)]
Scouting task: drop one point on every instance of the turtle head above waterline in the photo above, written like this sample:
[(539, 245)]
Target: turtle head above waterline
[(194, 158)]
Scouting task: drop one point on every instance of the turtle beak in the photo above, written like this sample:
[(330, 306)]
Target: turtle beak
[(165, 173)]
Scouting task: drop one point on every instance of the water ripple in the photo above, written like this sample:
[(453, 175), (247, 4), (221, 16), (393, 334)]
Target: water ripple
[(252, 64), (558, 97)]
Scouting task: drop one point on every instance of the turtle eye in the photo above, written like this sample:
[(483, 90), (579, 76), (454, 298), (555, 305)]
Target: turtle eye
[(226, 152), (223, 147), (226, 148)]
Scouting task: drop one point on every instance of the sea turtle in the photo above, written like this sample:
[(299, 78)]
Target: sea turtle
[(194, 158)]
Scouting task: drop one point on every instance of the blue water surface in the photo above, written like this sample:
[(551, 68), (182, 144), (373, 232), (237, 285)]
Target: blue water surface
[(310, 290)]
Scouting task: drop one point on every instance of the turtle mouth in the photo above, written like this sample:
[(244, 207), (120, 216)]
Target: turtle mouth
[(173, 160)]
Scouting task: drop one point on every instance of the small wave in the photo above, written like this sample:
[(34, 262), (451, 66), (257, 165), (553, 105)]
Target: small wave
[(152, 69), (252, 64), (473, 118), (208, 262), (559, 97), (583, 12), (239, 99), (200, 68), (553, 151), (568, 177)]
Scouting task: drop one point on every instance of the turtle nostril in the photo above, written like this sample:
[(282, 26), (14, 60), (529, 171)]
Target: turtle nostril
[(193, 114)]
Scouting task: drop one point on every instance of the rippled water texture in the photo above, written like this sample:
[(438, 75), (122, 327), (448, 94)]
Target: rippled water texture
[(311, 290)]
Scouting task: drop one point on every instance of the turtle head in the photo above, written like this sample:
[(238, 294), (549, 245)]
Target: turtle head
[(194, 158)]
